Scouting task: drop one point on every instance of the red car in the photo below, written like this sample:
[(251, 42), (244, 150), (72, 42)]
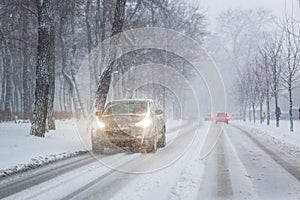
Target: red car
[(221, 117)]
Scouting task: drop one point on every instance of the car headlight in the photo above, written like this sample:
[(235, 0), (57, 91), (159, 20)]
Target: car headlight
[(144, 123), (100, 124)]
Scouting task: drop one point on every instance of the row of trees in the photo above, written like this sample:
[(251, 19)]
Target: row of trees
[(44, 41), (274, 70), (263, 54)]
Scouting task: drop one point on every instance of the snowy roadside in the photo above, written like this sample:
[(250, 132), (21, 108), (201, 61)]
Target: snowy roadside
[(281, 136), (20, 151)]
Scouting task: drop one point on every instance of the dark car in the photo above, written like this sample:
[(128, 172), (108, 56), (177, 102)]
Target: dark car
[(222, 117), (136, 123)]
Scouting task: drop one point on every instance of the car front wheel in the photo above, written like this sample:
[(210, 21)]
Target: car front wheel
[(162, 141), (97, 146), (150, 145)]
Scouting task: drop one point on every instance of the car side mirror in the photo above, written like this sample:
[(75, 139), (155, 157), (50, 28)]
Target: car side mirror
[(159, 112)]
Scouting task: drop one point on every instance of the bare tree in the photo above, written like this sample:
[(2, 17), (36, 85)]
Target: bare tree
[(44, 60), (261, 86), (291, 70), (82, 26), (50, 110), (234, 46), (263, 64), (241, 93), (8, 82), (105, 78), (273, 49)]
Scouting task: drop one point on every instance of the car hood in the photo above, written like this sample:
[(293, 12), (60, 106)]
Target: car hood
[(120, 121)]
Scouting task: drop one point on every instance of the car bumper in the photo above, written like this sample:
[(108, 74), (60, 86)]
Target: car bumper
[(112, 139)]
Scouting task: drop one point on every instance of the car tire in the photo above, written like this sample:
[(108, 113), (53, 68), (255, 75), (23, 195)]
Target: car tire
[(150, 145), (162, 140), (134, 148), (97, 147)]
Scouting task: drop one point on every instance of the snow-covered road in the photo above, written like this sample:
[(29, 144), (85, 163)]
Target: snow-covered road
[(228, 163), (119, 175), (245, 166)]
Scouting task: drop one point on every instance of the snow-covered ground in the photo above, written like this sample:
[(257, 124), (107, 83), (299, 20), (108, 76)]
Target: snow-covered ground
[(19, 150), (281, 133)]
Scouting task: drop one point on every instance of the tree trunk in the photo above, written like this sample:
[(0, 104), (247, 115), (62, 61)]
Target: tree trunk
[(276, 106), (89, 47), (65, 81), (3, 78), (261, 113), (27, 112), (50, 119), (253, 111), (103, 23), (97, 23), (268, 108), (8, 86), (249, 112), (244, 113), (103, 34), (105, 78), (291, 106), (45, 25)]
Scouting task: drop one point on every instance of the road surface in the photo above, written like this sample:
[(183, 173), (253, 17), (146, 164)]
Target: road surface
[(226, 163)]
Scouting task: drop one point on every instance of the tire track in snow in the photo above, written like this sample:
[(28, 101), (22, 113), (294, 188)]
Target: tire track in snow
[(224, 188), (242, 185), (216, 182), (26, 182)]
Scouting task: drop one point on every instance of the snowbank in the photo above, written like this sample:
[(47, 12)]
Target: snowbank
[(280, 137), (20, 151), (281, 133)]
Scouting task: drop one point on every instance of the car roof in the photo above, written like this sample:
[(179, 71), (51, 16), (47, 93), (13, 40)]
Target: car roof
[(130, 100), (222, 114)]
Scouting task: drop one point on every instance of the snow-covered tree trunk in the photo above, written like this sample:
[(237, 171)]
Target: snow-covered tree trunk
[(89, 47), (50, 119), (261, 112), (244, 113), (291, 106), (105, 79), (104, 19), (253, 111), (3, 85), (276, 107), (27, 112), (7, 115), (249, 112), (291, 69), (45, 25), (79, 108), (268, 107)]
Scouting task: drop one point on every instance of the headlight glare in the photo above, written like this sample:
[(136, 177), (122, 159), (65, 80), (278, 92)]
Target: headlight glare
[(144, 123), (100, 124)]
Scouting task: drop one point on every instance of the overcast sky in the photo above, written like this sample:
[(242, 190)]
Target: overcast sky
[(214, 7)]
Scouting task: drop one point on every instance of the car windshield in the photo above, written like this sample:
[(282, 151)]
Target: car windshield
[(126, 108), (221, 114)]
